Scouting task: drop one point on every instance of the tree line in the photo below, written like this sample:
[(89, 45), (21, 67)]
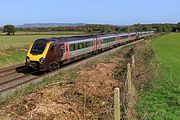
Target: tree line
[(98, 28)]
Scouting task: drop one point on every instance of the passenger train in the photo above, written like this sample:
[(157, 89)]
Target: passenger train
[(51, 53)]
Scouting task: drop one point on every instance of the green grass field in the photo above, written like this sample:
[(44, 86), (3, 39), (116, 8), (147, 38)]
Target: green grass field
[(162, 100), (7, 42)]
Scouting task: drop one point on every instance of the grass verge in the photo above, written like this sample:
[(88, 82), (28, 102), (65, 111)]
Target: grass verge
[(12, 57), (161, 101)]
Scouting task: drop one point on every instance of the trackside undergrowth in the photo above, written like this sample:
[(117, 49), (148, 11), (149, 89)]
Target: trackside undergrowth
[(161, 101), (12, 56)]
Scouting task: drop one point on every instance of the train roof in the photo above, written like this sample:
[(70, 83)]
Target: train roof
[(61, 40)]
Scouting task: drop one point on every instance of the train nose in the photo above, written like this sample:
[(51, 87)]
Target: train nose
[(34, 64)]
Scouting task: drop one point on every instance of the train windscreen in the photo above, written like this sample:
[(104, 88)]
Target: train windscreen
[(38, 48)]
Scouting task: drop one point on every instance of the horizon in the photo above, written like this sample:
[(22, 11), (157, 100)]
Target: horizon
[(114, 12), (86, 23)]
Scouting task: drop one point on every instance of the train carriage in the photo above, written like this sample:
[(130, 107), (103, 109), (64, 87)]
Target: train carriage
[(50, 53)]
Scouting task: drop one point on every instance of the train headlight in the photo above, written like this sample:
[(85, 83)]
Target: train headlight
[(27, 59), (42, 60)]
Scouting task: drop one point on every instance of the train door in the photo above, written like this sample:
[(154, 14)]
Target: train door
[(52, 53), (99, 42), (118, 41), (61, 51), (95, 43), (66, 50), (58, 52)]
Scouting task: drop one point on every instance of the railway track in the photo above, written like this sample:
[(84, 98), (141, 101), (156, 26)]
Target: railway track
[(17, 76), (9, 70)]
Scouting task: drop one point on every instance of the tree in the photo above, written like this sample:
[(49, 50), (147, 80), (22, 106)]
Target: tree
[(178, 26), (9, 29)]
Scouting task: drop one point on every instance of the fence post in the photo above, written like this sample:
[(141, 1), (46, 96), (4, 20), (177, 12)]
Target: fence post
[(133, 62), (129, 76), (117, 104)]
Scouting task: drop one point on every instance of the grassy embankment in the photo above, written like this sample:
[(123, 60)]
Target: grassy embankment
[(161, 101), (13, 48)]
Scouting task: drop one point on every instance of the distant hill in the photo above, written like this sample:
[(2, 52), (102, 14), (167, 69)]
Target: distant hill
[(31, 25)]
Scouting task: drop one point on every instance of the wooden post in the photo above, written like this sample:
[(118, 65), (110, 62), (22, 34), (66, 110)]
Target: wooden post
[(133, 62), (129, 76), (116, 104)]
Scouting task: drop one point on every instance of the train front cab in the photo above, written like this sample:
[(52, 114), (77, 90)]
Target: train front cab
[(43, 54)]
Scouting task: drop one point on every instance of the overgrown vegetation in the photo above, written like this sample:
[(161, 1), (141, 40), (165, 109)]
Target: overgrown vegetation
[(146, 67), (142, 76), (161, 99), (12, 57)]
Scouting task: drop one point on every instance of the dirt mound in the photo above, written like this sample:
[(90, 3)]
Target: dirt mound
[(3, 54), (88, 96)]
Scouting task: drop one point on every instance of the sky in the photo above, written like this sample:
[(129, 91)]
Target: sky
[(116, 12)]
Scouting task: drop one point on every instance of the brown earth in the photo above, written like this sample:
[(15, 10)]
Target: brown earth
[(3, 54), (88, 96)]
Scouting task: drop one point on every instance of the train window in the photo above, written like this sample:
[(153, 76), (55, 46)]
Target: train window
[(106, 40), (102, 41), (124, 37), (112, 39), (84, 45), (80, 45), (71, 47), (109, 40), (91, 43), (38, 48), (76, 46), (87, 44)]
